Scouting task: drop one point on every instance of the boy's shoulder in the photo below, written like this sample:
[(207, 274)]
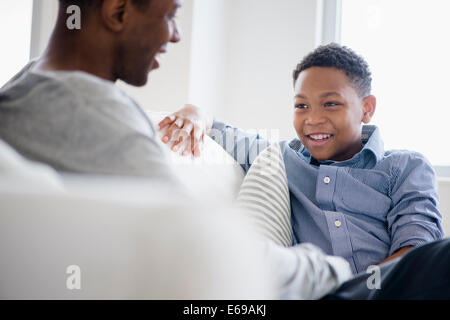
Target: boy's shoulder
[(294, 145), (403, 156), (407, 164)]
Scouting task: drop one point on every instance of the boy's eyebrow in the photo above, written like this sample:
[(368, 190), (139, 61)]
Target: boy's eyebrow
[(323, 95), (328, 94)]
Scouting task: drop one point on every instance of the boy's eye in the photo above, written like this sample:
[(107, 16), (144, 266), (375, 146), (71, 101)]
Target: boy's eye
[(331, 104), (301, 106)]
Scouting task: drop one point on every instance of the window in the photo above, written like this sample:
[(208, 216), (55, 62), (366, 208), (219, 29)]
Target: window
[(15, 36), (405, 43)]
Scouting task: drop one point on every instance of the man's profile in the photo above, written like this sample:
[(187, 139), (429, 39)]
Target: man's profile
[(64, 108)]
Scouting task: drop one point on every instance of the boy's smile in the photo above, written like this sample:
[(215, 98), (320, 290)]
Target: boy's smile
[(329, 112)]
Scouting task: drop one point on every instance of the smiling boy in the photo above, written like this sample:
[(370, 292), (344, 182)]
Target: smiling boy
[(348, 195)]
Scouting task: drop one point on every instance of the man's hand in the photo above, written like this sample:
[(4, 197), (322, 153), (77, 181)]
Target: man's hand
[(187, 128)]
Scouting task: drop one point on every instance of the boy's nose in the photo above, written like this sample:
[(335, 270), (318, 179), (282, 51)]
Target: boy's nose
[(315, 118)]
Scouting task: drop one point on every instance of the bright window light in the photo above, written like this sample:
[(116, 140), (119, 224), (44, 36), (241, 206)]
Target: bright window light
[(406, 45), (15, 36)]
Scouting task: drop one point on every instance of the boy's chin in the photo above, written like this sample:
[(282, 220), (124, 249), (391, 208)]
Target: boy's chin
[(320, 158)]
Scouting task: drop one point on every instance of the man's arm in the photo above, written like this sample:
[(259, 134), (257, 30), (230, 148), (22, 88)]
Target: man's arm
[(304, 271)]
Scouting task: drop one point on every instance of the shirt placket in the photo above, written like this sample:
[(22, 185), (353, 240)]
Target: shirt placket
[(326, 187)]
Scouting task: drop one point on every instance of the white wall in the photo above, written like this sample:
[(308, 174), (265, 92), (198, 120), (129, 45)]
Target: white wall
[(250, 66), (235, 59), (444, 203), (44, 19)]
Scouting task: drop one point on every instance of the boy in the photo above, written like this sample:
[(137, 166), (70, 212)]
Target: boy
[(348, 195)]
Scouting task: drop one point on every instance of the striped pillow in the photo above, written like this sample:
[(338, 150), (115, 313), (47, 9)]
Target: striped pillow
[(264, 196)]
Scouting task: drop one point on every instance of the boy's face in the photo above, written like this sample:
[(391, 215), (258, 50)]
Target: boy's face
[(328, 113)]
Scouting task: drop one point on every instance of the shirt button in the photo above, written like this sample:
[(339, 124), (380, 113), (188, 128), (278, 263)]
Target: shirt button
[(337, 223), (326, 180)]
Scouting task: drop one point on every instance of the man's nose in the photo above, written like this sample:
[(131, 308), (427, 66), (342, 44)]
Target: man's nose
[(176, 34)]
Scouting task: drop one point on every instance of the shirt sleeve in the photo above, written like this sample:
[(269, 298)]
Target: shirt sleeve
[(243, 146), (414, 218), (304, 271)]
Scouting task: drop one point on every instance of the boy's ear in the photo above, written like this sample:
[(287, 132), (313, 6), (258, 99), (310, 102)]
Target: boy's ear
[(113, 13), (370, 103)]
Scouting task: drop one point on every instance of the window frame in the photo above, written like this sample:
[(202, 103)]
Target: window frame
[(35, 29)]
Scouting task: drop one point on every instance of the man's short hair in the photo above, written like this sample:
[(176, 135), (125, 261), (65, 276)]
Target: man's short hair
[(342, 58), (141, 4)]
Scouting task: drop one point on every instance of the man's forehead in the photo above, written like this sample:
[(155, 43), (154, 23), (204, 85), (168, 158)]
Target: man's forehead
[(165, 6), (170, 4), (174, 3), (178, 3)]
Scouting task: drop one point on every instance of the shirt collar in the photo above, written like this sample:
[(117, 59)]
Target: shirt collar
[(371, 140)]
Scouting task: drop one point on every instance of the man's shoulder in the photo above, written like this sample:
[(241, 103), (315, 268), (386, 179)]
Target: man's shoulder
[(59, 91), (59, 85), (78, 83), (76, 97)]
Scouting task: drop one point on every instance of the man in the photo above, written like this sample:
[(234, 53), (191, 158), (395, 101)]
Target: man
[(64, 108)]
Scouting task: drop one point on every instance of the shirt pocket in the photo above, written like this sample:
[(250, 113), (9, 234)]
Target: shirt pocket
[(364, 194)]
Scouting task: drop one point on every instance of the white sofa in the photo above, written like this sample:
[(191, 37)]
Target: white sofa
[(127, 238)]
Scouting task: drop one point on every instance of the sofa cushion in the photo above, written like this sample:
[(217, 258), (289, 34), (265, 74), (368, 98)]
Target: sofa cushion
[(265, 197)]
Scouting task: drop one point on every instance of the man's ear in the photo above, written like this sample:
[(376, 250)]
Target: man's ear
[(370, 103), (113, 13)]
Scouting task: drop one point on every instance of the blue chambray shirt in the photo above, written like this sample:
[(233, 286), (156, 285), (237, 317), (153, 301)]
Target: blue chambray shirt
[(363, 209)]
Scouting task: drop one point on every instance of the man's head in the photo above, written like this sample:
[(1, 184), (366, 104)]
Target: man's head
[(131, 34), (332, 99)]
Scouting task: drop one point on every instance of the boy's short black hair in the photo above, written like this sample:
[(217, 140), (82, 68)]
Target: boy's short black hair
[(342, 58)]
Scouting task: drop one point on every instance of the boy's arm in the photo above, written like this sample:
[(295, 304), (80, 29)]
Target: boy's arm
[(414, 218), (398, 253), (244, 147)]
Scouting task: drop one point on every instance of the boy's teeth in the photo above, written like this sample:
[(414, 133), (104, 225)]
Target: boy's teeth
[(320, 136)]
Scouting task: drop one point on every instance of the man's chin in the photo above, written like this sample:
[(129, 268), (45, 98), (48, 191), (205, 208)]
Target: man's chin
[(137, 82)]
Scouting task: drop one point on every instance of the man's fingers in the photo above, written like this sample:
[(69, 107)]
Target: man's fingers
[(187, 149), (185, 137), (197, 151), (182, 136), (197, 139), (166, 121), (187, 127), (174, 127)]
